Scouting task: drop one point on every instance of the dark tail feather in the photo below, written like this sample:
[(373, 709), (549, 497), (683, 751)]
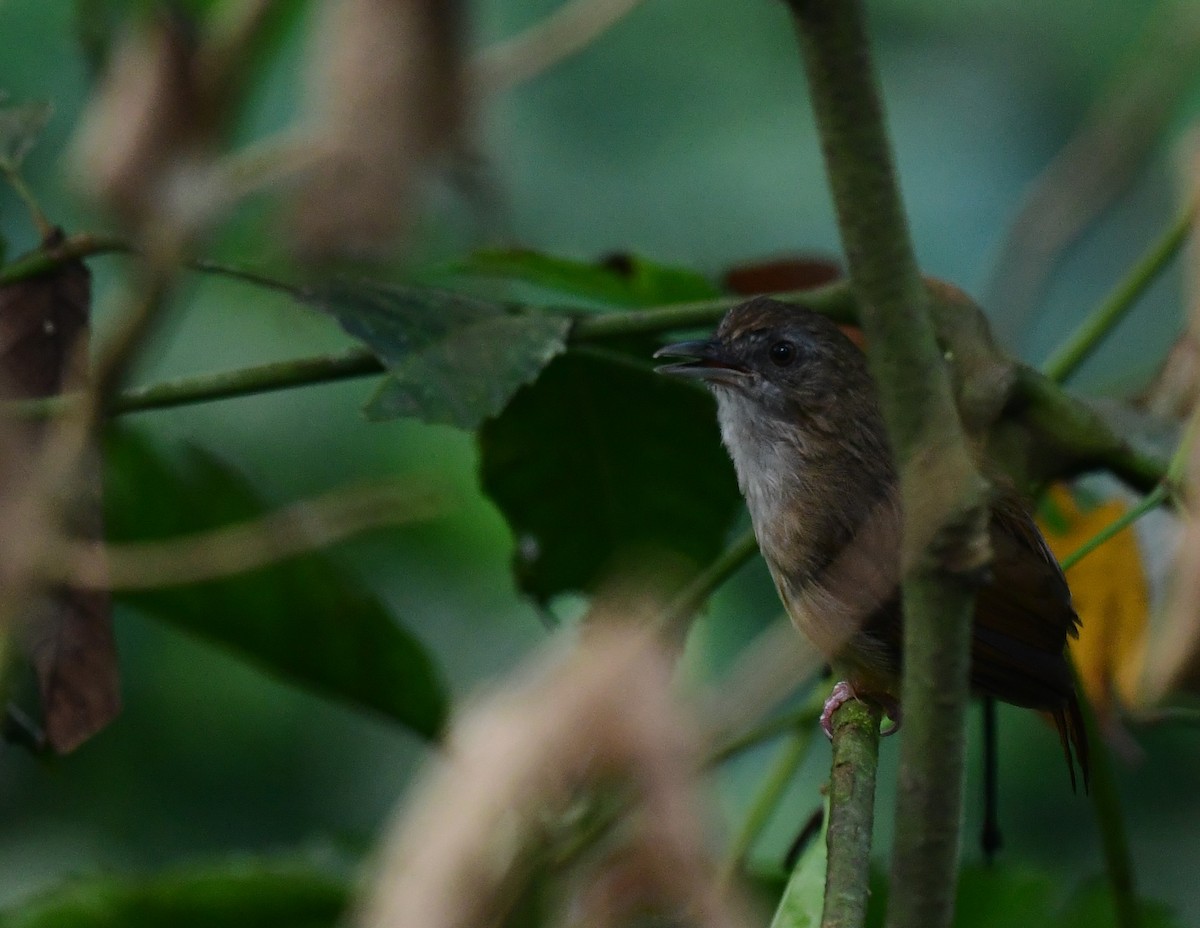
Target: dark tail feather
[(1073, 733)]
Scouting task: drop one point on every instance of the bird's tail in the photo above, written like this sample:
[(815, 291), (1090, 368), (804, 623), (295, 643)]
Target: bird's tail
[(1073, 733)]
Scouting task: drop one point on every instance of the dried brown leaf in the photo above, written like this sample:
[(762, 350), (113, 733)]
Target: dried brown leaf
[(67, 633)]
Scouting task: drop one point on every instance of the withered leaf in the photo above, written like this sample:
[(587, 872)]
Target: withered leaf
[(68, 633)]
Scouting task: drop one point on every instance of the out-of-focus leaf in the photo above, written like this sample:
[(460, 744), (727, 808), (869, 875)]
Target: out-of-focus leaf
[(303, 619), (597, 460), (1005, 897), (1012, 896), (451, 359), (263, 895), (1091, 906), (1110, 593), (803, 900), (20, 126), (67, 633), (619, 279)]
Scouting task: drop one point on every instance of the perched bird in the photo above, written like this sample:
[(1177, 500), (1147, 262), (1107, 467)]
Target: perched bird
[(800, 416)]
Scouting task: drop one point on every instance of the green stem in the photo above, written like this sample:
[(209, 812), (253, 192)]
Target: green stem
[(1060, 436), (765, 731), (205, 388), (676, 617), (1106, 803), (835, 300), (1085, 339), (765, 801), (45, 228), (1155, 498), (937, 472), (851, 814), (46, 259)]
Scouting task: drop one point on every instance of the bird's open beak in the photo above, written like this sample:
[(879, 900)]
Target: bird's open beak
[(709, 361)]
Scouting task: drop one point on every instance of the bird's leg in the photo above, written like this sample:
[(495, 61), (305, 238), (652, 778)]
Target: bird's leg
[(844, 690)]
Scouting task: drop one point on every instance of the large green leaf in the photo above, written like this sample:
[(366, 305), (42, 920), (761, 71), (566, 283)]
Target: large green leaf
[(451, 359), (263, 895), (620, 280), (303, 619), (600, 459), (803, 900)]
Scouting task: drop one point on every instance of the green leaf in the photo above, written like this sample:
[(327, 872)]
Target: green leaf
[(302, 619), (803, 900), (451, 359), (1002, 896), (20, 126), (1091, 906), (599, 460), (1016, 896), (262, 894), (622, 280)]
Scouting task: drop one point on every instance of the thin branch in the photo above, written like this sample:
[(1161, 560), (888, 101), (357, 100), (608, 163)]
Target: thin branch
[(1106, 804), (935, 466), (1088, 335), (1072, 438), (1122, 127), (764, 731), (1155, 498), (568, 30), (233, 549), (45, 259), (45, 228), (851, 814), (837, 301), (679, 612)]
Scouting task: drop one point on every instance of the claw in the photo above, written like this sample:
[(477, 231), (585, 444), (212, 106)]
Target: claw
[(843, 691)]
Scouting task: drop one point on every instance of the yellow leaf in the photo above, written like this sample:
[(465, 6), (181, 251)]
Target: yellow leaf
[(1111, 595)]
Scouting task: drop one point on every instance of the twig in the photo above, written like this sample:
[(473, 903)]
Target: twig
[(1106, 803), (568, 30), (935, 466), (679, 612), (851, 814), (1121, 128), (1155, 498), (45, 228), (764, 731), (1087, 336), (46, 259), (233, 549)]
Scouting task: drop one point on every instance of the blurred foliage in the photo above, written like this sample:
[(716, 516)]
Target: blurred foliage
[(303, 619), (250, 893)]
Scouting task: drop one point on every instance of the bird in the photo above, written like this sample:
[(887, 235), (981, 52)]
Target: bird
[(799, 414)]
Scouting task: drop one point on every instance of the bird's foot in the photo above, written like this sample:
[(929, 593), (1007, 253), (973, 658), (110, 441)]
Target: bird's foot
[(843, 691)]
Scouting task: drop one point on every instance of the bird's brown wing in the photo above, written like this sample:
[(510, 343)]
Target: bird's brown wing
[(1022, 620)]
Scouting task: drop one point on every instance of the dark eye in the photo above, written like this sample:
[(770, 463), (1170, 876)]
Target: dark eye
[(783, 353)]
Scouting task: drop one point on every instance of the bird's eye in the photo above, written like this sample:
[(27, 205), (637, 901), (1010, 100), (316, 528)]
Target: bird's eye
[(783, 353)]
